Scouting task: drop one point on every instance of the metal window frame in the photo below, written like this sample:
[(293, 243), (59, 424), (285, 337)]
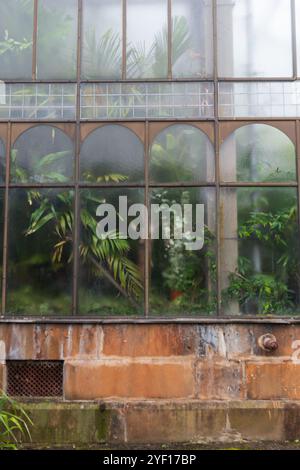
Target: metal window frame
[(215, 126)]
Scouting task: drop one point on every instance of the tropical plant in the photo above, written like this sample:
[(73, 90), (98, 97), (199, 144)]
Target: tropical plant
[(152, 62), (14, 423), (105, 257), (274, 292)]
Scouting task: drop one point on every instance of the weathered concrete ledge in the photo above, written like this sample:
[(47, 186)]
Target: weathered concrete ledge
[(160, 421)]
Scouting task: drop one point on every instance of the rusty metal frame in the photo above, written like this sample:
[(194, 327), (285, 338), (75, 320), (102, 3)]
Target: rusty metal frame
[(212, 127)]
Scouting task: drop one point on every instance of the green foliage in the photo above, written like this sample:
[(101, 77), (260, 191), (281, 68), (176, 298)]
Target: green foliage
[(102, 58), (14, 423), (272, 293)]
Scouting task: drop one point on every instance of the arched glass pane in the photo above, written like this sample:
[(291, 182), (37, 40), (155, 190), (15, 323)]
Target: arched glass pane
[(57, 39), (258, 153), (182, 153), (16, 33), (254, 38), (102, 39), (2, 161), (42, 154), (112, 154)]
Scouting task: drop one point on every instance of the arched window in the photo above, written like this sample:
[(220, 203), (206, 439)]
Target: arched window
[(182, 153), (258, 153), (42, 154), (112, 153)]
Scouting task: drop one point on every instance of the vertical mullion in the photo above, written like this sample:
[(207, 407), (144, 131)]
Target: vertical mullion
[(6, 208), (76, 228), (170, 39), (124, 39), (34, 39), (294, 39), (147, 204), (217, 156)]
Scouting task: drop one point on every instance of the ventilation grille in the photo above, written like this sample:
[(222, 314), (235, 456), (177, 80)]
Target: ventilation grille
[(35, 378)]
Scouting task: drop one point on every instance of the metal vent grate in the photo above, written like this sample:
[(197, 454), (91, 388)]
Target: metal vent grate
[(35, 378)]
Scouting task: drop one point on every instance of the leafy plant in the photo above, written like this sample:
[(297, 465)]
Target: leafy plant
[(14, 423)]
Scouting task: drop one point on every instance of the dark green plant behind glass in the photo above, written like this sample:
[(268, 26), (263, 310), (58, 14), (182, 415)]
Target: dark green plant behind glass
[(182, 281), (40, 252), (2, 162), (182, 153), (112, 269), (258, 153), (102, 39), (57, 39), (112, 154), (42, 154), (16, 33), (260, 251)]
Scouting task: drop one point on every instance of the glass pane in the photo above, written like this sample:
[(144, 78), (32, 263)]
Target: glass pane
[(182, 153), (57, 39), (112, 154), (2, 161), (259, 99), (102, 39), (183, 280), (192, 33), (258, 152), (112, 267), (42, 154), (16, 33), (40, 252), (110, 101), (260, 251), (2, 194), (254, 38), (147, 39)]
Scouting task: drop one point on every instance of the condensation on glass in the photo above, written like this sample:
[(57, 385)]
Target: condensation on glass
[(42, 154), (57, 39), (39, 280), (112, 154), (258, 153), (147, 39), (254, 38), (183, 280), (192, 39), (37, 101), (259, 99), (124, 101), (102, 40), (182, 152), (16, 39), (111, 271)]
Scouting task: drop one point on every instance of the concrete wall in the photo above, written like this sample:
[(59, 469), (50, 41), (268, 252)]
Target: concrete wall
[(176, 381)]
